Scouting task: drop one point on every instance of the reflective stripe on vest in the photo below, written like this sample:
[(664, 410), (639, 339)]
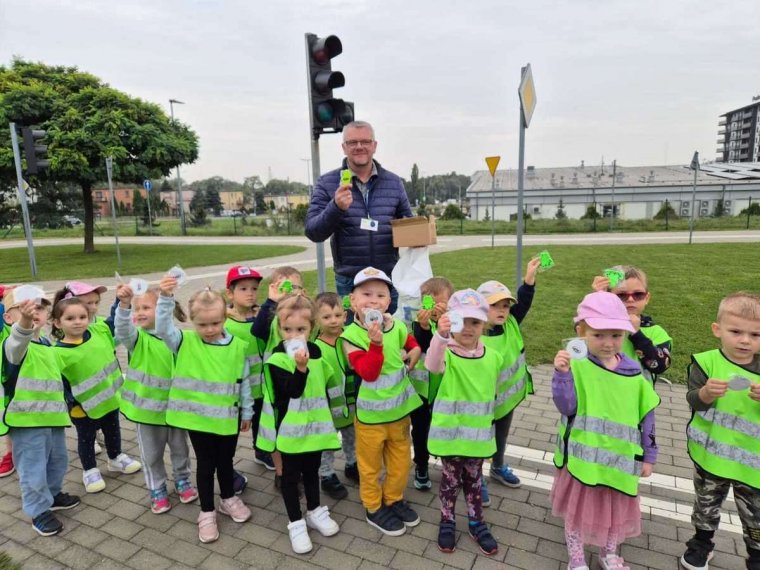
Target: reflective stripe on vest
[(386, 405), (37, 407), (34, 385), (625, 465), (144, 403), (514, 382), (461, 433), (90, 383), (145, 392), (467, 408), (608, 427), (206, 410), (216, 387), (385, 382)]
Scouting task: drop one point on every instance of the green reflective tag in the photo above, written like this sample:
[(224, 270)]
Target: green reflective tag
[(615, 276), (346, 302), (546, 261), (428, 302), (345, 177), (286, 286)]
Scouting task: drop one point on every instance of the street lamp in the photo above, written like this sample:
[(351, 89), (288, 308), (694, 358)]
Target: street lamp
[(181, 204)]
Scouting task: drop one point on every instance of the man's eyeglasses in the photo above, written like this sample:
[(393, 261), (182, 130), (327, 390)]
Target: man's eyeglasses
[(354, 144), (635, 295)]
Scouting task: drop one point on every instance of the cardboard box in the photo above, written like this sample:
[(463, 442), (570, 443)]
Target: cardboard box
[(414, 232)]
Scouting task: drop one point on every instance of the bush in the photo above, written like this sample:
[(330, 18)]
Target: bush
[(752, 210), (199, 217), (452, 212), (666, 207), (591, 213)]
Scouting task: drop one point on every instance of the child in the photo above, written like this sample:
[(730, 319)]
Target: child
[(461, 430), (723, 436), (6, 461), (296, 418), (650, 344), (330, 319), (92, 382), (383, 403), (424, 328), (36, 414), (210, 396), (242, 286), (145, 396), (599, 460), (503, 334)]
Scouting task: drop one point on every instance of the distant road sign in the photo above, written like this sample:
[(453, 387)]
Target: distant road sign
[(148, 185), (492, 162), (527, 93)]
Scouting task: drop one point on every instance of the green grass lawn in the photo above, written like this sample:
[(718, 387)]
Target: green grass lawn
[(686, 282), (68, 261)]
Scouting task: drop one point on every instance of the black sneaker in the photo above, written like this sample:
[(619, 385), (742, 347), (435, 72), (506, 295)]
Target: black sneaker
[(447, 536), (333, 487), (421, 479), (386, 522), (64, 501), (352, 472), (698, 554), (46, 524), (479, 533), (405, 513), (264, 458), (239, 482)]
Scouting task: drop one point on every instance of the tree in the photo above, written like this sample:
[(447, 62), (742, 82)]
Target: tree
[(753, 210), (666, 211), (452, 212), (591, 213), (299, 213), (86, 121), (413, 189), (720, 209), (198, 216), (560, 214), (198, 201), (138, 202)]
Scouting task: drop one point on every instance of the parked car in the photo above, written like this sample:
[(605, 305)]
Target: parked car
[(72, 220)]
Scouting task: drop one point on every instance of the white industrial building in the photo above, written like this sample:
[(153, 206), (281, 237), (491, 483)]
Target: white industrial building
[(635, 192)]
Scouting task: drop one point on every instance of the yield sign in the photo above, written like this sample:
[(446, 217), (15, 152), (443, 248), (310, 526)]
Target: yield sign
[(492, 162)]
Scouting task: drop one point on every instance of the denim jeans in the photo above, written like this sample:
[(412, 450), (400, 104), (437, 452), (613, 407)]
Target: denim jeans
[(345, 284), (41, 459)]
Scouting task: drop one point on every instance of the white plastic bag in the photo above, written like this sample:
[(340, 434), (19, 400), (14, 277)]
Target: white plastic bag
[(411, 271)]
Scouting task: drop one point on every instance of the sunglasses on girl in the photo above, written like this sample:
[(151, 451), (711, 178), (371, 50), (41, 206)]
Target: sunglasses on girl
[(635, 295)]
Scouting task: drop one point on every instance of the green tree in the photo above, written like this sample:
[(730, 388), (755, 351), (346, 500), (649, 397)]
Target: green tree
[(299, 213), (198, 201), (138, 203), (720, 209), (86, 121), (413, 189), (753, 209), (591, 213), (560, 214), (666, 210), (452, 212)]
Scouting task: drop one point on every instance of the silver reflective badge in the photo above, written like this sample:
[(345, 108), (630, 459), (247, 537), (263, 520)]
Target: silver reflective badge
[(457, 321), (577, 348), (739, 383), (294, 345), (373, 316)]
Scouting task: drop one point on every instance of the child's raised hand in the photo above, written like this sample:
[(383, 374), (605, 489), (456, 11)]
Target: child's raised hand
[(444, 325), (754, 392), (562, 361), (531, 269), (423, 318), (646, 470), (124, 294), (26, 308), (600, 283), (375, 333), (167, 286), (245, 425), (712, 390), (302, 359)]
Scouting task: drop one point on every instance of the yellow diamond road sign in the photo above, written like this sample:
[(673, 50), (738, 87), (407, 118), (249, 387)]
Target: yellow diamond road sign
[(527, 93), (492, 162)]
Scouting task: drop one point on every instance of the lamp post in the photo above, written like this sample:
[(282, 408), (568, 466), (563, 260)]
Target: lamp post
[(181, 202)]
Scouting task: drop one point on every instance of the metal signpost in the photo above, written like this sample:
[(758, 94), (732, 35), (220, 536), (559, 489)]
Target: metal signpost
[(148, 185), (527, 92), (22, 201), (109, 172), (493, 162)]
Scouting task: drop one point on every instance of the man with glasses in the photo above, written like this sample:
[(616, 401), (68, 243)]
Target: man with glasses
[(357, 214)]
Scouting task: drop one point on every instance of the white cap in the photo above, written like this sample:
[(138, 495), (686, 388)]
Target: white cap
[(371, 274)]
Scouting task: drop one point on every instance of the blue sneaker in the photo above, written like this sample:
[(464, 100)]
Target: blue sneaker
[(239, 482), (485, 497), (505, 476)]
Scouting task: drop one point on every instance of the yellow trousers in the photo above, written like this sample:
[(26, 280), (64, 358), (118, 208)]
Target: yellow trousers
[(378, 446)]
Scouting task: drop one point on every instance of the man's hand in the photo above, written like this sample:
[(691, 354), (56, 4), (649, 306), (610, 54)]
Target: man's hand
[(343, 197)]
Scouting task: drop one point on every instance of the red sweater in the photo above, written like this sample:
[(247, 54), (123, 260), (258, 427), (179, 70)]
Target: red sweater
[(369, 363)]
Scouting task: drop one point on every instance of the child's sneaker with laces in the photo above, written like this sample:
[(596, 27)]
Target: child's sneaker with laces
[(235, 509), (6, 465), (93, 480), (479, 533), (159, 501), (207, 529), (505, 476), (612, 562), (299, 537), (185, 490), (422, 479), (320, 520), (124, 464)]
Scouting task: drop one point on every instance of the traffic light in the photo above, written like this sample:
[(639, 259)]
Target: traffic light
[(327, 114), (34, 152)]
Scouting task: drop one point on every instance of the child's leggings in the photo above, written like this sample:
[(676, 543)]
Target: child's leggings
[(574, 540), (214, 454), (348, 443), (86, 429), (461, 473), (294, 467), (502, 432)]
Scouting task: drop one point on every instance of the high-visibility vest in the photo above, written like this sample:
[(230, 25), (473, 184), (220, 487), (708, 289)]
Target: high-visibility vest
[(601, 444), (242, 330), (423, 381), (343, 395), (308, 423), (37, 399), (273, 340), (463, 409), (515, 381), (390, 397), (205, 391), (656, 334), (145, 394), (93, 373), (5, 332), (725, 440)]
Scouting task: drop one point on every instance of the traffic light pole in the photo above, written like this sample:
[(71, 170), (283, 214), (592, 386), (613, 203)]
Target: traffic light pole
[(22, 200), (321, 267)]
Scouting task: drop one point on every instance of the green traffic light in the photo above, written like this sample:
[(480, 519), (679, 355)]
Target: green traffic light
[(325, 113)]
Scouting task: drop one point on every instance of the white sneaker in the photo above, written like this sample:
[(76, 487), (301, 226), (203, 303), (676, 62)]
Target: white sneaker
[(319, 519), (299, 537), (93, 480), (124, 464), (98, 449)]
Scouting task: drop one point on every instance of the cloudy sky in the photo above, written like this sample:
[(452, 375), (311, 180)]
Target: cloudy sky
[(641, 82)]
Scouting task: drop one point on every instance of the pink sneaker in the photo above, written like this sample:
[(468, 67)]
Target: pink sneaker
[(159, 501), (207, 529), (612, 562), (235, 509), (186, 491), (6, 465)]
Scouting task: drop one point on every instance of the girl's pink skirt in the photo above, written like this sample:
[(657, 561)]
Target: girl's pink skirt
[(594, 511)]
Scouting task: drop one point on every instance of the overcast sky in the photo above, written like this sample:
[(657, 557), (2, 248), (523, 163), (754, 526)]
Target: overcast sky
[(641, 82)]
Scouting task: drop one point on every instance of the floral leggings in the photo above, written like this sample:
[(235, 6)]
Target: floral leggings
[(461, 473)]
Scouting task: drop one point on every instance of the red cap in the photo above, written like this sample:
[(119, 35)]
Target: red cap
[(239, 272)]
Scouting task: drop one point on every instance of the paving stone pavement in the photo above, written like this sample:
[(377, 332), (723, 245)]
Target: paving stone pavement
[(115, 528)]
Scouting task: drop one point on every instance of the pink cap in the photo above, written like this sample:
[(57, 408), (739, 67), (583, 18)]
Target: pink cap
[(495, 291), (470, 304), (604, 311), (77, 288)]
